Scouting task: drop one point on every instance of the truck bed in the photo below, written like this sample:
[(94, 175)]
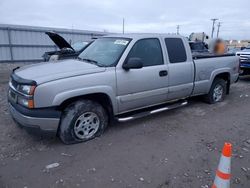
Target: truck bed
[(210, 55)]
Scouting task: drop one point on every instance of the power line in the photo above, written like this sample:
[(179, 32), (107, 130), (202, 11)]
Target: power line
[(218, 30), (123, 22), (214, 20), (177, 29)]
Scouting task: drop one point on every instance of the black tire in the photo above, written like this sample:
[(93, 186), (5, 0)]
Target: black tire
[(71, 116), (209, 98)]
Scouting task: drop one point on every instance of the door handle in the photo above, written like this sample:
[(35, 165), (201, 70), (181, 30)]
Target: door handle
[(163, 73)]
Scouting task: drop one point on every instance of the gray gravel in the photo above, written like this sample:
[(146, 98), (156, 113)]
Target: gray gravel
[(6, 68), (179, 148)]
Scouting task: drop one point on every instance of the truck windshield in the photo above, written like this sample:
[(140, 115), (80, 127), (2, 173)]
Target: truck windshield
[(105, 51)]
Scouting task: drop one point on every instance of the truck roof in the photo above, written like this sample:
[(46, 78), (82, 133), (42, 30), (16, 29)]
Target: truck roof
[(144, 35)]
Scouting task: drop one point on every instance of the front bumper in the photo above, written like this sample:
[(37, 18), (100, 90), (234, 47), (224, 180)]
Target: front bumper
[(34, 122)]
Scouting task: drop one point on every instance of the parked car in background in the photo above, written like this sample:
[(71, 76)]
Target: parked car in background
[(198, 47), (244, 61), (66, 51), (234, 50), (120, 77)]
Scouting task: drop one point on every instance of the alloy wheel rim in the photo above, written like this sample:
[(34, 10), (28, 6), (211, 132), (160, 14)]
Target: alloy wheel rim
[(218, 93), (86, 125)]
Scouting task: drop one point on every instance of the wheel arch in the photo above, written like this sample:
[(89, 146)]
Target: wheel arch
[(101, 98), (225, 76)]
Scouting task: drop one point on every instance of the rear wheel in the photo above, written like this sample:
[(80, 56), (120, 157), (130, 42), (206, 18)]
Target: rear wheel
[(81, 121), (217, 91)]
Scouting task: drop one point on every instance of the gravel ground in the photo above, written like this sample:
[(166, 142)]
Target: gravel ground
[(6, 68), (179, 148)]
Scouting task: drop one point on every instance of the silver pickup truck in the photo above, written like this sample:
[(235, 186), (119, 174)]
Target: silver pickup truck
[(119, 77)]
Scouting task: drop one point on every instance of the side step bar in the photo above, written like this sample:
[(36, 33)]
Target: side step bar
[(149, 111)]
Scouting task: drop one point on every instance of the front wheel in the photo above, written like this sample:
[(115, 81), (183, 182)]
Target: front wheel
[(217, 91), (81, 121)]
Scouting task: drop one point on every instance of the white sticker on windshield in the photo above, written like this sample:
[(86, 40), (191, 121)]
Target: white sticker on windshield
[(121, 42)]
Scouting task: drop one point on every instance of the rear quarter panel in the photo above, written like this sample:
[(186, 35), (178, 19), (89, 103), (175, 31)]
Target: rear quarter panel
[(208, 68)]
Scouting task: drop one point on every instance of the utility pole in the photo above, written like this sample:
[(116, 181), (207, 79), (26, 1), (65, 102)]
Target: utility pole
[(214, 20), (218, 30), (178, 29), (123, 22)]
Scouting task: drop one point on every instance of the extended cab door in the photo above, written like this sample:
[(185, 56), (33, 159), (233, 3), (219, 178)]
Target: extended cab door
[(138, 88), (181, 68)]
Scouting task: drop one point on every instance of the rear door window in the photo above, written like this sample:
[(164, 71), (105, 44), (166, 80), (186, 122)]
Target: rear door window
[(176, 50)]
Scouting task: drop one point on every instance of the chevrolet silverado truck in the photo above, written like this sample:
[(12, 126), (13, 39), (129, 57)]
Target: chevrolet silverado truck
[(118, 77)]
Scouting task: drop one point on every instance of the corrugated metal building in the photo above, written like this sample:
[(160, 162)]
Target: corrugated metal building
[(28, 43)]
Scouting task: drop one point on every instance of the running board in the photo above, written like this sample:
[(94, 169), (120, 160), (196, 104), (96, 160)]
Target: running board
[(149, 111)]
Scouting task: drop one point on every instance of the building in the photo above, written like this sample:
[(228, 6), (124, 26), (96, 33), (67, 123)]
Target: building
[(237, 43), (28, 43)]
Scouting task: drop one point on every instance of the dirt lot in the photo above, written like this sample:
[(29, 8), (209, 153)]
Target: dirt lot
[(179, 148)]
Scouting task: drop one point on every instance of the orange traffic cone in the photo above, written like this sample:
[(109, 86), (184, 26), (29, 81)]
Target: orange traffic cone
[(223, 173)]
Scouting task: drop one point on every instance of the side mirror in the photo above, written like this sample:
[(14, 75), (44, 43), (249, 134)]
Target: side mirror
[(133, 63)]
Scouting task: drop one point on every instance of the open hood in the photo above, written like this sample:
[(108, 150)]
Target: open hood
[(59, 40)]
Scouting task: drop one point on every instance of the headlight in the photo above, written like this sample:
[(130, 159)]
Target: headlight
[(29, 103), (26, 89)]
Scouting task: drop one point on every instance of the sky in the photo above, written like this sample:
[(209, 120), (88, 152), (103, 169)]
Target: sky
[(144, 16)]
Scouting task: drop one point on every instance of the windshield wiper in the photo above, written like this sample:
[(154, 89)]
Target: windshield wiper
[(91, 61)]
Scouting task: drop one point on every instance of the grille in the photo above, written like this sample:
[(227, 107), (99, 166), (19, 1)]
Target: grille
[(14, 83), (244, 58), (12, 96)]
